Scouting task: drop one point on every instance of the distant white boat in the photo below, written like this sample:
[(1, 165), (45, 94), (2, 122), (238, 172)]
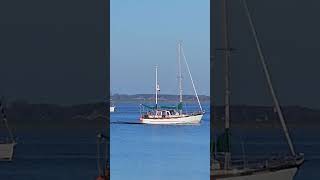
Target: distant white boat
[(7, 144), (112, 106), (171, 114)]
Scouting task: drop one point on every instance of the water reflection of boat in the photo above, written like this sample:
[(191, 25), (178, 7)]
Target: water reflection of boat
[(226, 167)]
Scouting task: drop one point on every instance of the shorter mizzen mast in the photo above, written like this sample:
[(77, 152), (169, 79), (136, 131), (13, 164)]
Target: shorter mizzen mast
[(194, 88), (157, 88)]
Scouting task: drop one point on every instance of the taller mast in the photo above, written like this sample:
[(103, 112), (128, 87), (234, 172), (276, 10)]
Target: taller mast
[(179, 71), (225, 44), (179, 74)]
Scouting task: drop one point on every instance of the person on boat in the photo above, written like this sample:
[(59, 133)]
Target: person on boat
[(163, 114)]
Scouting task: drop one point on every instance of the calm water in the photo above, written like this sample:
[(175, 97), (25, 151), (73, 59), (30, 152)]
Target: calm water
[(158, 152), (144, 152), (264, 142), (52, 156)]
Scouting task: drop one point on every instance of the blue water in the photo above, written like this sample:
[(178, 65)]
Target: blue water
[(158, 152), (144, 152), (262, 143), (52, 155)]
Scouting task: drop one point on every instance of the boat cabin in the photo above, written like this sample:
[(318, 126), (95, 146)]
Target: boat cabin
[(166, 113), (161, 113)]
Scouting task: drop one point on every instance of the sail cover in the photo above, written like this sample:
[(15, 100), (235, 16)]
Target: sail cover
[(178, 106), (223, 142)]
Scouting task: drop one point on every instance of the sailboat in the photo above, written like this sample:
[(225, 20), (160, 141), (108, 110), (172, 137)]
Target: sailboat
[(172, 114), (7, 144), (226, 167)]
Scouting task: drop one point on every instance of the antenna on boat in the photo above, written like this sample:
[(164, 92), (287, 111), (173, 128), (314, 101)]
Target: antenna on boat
[(194, 88), (265, 69)]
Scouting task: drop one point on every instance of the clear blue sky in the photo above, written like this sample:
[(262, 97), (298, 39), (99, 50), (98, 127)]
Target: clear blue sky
[(145, 33)]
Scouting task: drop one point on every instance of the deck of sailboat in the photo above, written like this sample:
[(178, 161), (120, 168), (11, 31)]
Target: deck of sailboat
[(172, 116), (178, 119)]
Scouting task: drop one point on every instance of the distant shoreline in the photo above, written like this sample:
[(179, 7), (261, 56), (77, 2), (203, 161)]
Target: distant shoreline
[(151, 98), (23, 115)]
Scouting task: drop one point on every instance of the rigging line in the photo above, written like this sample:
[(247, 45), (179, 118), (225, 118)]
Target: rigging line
[(262, 60), (194, 88), (6, 122)]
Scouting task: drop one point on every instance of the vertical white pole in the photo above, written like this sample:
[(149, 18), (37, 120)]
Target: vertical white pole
[(180, 75), (156, 86)]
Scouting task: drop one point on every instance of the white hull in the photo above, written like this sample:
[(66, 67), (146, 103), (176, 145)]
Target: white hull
[(6, 151), (192, 119), (284, 174), (112, 108)]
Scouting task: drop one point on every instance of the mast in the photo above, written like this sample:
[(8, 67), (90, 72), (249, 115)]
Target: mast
[(225, 44), (265, 69), (179, 73), (157, 86)]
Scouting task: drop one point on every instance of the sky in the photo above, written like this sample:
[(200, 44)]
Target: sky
[(289, 37), (53, 51), (145, 33)]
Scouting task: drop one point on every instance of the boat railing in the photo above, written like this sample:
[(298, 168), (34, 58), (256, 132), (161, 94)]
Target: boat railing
[(5, 140), (258, 162)]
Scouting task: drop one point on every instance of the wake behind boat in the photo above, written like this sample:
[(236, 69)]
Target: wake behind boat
[(171, 114)]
